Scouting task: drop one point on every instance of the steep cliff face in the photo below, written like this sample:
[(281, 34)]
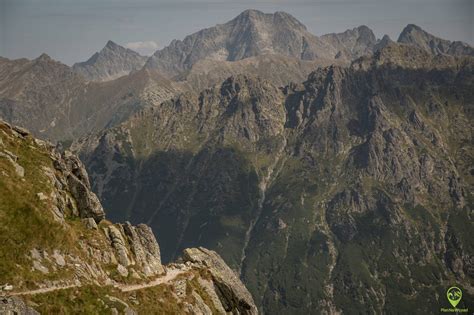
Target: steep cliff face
[(348, 192), (60, 255)]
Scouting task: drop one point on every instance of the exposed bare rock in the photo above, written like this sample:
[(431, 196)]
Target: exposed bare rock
[(19, 170), (59, 258), (145, 248), (118, 243), (38, 266), (122, 270), (75, 175), (234, 296), (352, 44), (112, 62), (90, 223), (15, 305), (415, 35), (250, 34), (279, 70)]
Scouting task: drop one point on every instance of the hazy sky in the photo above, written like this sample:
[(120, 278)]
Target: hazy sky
[(72, 30)]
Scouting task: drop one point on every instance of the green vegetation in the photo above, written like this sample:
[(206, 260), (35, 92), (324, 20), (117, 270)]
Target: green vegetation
[(25, 221), (94, 300)]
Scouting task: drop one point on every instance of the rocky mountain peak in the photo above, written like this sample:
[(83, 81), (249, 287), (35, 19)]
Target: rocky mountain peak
[(352, 43), (386, 40), (114, 46), (251, 34), (366, 33), (43, 57), (250, 14), (412, 28), (111, 62), (411, 33), (415, 35), (279, 17)]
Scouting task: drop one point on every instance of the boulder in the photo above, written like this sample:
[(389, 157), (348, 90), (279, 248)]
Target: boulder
[(90, 223), (122, 271), (145, 248), (59, 259), (88, 204), (233, 294), (118, 243), (19, 170), (15, 305)]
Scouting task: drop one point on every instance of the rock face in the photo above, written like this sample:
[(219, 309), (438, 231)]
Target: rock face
[(347, 192), (352, 44), (145, 247), (235, 298), (250, 34), (88, 205), (50, 257), (112, 62), (277, 69), (14, 305), (415, 35)]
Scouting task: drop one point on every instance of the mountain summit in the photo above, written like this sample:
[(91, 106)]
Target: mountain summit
[(415, 35), (353, 43), (111, 62), (250, 34)]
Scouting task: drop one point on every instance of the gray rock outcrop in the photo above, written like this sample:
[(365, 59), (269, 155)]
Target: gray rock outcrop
[(15, 306), (145, 248), (235, 298), (88, 205)]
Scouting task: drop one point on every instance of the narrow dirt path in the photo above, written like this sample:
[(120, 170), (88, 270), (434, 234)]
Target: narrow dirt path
[(42, 290), (170, 275)]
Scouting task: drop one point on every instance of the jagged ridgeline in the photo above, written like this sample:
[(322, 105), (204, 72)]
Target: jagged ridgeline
[(59, 255), (349, 192)]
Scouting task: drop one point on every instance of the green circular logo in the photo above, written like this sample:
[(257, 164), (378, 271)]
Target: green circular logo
[(454, 295)]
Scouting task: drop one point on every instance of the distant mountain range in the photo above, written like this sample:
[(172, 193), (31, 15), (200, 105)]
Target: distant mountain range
[(332, 173), (58, 103), (252, 34)]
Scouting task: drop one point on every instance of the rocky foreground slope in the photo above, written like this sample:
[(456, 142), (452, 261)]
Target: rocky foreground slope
[(349, 192), (59, 255)]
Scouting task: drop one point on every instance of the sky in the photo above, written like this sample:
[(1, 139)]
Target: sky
[(72, 30)]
